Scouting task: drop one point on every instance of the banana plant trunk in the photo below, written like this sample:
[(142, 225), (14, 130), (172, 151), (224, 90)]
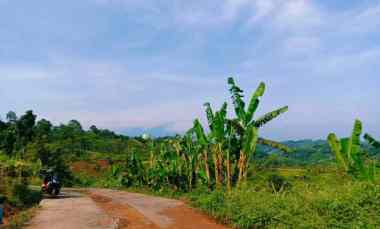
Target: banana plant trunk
[(218, 165), (242, 165), (190, 182), (228, 166), (207, 168), (217, 179)]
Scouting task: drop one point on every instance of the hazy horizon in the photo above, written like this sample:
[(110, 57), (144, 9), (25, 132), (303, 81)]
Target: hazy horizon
[(143, 65)]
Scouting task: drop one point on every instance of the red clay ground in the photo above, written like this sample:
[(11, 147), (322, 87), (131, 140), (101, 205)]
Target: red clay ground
[(143, 211), (102, 208)]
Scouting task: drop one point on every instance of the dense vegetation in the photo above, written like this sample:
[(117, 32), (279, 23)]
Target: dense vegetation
[(28, 146), (226, 169)]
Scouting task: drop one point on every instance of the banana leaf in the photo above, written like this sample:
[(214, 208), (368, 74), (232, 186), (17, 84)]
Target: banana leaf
[(372, 171), (275, 145), (250, 140), (219, 125), (234, 123), (372, 141), (199, 132), (336, 148), (237, 99), (254, 102), (354, 146), (209, 114), (269, 116)]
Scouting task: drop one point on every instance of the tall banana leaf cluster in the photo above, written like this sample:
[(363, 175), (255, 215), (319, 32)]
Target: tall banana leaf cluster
[(349, 155), (231, 142)]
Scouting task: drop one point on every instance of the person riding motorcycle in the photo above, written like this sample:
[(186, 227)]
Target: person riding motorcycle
[(51, 182)]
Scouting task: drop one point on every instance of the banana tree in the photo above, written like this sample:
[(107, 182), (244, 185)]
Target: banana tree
[(247, 127), (214, 141), (349, 156), (203, 143), (189, 153), (218, 131)]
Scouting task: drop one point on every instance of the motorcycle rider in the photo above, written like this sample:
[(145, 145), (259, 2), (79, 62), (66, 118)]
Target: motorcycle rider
[(50, 178)]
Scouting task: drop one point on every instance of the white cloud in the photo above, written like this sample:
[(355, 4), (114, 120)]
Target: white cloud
[(263, 8), (283, 13), (355, 63), (362, 20), (301, 46), (298, 13), (81, 89), (22, 73)]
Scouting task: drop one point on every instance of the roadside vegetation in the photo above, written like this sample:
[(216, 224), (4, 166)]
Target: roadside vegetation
[(226, 168)]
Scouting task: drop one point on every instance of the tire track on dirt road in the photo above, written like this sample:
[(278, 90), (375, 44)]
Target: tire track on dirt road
[(144, 211), (68, 211), (110, 209)]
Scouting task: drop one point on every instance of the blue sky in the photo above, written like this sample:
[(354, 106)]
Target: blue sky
[(131, 64)]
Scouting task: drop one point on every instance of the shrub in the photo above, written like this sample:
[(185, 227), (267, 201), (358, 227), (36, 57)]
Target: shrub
[(277, 183), (320, 205), (22, 196)]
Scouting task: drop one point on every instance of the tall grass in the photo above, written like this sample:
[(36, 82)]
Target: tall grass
[(329, 202)]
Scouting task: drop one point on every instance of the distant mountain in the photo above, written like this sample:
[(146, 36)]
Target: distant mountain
[(160, 131), (304, 142), (305, 151)]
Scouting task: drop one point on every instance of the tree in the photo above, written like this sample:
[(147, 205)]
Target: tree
[(217, 139), (203, 142), (11, 117), (75, 126), (232, 142), (247, 128), (3, 125), (8, 140), (94, 129), (25, 127), (43, 128), (349, 155)]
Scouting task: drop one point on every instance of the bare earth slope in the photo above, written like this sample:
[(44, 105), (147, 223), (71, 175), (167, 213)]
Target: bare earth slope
[(103, 208)]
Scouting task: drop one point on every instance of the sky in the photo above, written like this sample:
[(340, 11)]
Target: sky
[(149, 65)]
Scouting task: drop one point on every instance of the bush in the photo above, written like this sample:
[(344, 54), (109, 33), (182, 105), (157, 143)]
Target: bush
[(277, 183), (348, 205), (23, 197)]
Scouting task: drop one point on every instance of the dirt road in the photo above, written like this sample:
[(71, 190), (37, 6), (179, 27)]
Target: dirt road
[(70, 210), (102, 208)]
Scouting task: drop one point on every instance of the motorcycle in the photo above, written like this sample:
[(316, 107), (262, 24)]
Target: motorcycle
[(51, 185)]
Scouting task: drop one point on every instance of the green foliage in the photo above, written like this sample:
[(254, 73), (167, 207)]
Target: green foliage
[(246, 128), (14, 180), (320, 204), (373, 142), (278, 183), (349, 155), (23, 197), (261, 121)]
